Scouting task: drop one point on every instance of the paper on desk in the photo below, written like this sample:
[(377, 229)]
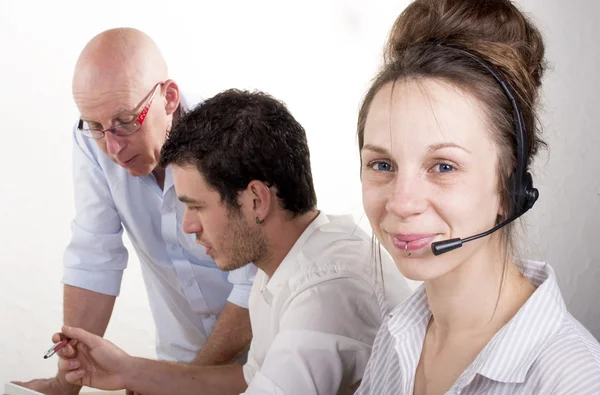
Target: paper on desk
[(12, 389)]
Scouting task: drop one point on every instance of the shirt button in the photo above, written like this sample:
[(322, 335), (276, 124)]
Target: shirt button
[(189, 282)]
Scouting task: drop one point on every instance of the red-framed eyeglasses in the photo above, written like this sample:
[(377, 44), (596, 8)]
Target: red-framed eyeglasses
[(123, 128)]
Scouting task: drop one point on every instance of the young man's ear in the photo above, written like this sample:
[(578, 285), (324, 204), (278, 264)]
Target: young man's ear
[(260, 194)]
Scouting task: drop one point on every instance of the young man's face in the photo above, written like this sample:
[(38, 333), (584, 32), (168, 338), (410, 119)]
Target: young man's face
[(230, 238)]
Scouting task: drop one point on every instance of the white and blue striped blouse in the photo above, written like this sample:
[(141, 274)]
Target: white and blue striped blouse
[(542, 350)]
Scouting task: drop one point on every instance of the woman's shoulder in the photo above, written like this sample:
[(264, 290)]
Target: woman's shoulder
[(569, 362)]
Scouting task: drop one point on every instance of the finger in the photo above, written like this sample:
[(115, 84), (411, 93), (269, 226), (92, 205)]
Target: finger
[(68, 364), (67, 351), (75, 377), (87, 338), (58, 337)]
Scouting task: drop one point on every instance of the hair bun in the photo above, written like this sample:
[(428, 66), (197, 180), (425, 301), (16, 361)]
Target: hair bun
[(495, 30)]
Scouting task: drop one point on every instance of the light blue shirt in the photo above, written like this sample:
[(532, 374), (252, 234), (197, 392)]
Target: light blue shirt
[(186, 290)]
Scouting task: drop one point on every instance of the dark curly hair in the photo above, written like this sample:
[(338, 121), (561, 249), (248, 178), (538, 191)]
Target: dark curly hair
[(238, 136)]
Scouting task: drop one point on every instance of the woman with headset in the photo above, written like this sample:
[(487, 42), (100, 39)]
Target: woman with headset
[(446, 133)]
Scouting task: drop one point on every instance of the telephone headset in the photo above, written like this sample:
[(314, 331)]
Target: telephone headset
[(523, 194)]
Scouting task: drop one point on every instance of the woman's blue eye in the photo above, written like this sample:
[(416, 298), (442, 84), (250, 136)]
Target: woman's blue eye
[(444, 168), (382, 166)]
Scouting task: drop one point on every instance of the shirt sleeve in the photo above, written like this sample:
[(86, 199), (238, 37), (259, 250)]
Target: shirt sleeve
[(242, 280), (95, 257), (324, 342)]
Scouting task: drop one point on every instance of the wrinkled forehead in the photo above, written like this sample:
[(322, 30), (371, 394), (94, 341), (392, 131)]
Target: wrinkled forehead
[(102, 97)]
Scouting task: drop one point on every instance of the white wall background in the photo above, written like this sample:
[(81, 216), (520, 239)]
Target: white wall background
[(318, 56)]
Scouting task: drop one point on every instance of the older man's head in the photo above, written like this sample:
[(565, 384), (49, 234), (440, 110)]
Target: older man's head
[(125, 99)]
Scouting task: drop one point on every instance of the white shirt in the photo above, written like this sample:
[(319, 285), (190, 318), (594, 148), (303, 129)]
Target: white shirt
[(315, 320), (186, 289), (542, 349)]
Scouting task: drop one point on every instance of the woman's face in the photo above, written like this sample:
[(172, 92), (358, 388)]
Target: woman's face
[(429, 173)]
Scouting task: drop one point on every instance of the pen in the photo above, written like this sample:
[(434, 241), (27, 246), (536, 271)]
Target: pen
[(55, 348)]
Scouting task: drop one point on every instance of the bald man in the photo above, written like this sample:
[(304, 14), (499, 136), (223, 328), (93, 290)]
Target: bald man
[(127, 105)]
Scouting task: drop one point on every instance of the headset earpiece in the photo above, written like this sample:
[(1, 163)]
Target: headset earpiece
[(522, 193)]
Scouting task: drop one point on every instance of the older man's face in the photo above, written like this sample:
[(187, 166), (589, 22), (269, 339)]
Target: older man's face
[(105, 104)]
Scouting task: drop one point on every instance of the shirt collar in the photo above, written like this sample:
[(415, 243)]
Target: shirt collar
[(168, 180), (523, 337)]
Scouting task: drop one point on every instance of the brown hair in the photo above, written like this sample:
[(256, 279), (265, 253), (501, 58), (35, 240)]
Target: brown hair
[(420, 46)]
